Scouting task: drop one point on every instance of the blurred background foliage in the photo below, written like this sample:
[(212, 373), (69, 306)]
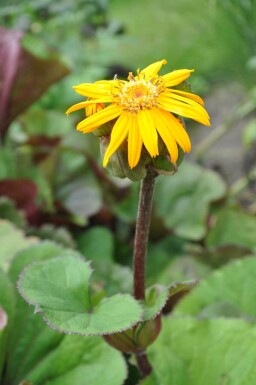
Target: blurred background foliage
[(52, 184)]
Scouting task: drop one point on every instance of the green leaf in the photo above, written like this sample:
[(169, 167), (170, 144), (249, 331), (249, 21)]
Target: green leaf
[(37, 122), (113, 278), (228, 292), (39, 354), (3, 340), (9, 212), (97, 244), (29, 346), (39, 252), (185, 199), (12, 240), (7, 163), (7, 308), (77, 358), (210, 351), (177, 291), (233, 228), (81, 200), (161, 254), (220, 255), (7, 297), (32, 336), (175, 375), (59, 289), (180, 287), (156, 298), (183, 269), (127, 208), (249, 133), (55, 233), (193, 352), (20, 165)]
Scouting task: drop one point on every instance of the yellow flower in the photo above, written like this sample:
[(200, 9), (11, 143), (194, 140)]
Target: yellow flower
[(93, 108), (142, 108)]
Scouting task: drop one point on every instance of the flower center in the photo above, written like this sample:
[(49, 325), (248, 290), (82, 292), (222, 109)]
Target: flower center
[(137, 95)]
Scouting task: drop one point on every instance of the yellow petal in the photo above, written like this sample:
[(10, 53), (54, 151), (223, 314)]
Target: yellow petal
[(84, 104), (166, 134), (177, 130), (176, 77), (95, 91), (196, 112), (134, 142), (189, 95), (184, 99), (103, 116), (118, 135), (148, 132), (153, 69)]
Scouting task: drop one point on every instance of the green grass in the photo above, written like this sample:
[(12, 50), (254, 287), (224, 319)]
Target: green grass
[(199, 34)]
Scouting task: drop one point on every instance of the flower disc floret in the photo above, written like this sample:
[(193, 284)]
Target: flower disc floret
[(137, 95)]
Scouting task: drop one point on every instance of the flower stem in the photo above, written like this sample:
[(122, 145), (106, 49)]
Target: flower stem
[(143, 364), (141, 233), (140, 252)]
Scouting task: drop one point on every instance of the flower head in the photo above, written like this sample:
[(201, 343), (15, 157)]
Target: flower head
[(142, 108)]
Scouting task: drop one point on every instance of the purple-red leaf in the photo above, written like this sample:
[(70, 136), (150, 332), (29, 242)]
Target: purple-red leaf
[(23, 77), (23, 193)]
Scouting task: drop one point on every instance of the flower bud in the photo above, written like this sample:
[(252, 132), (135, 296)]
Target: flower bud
[(118, 164), (137, 338)]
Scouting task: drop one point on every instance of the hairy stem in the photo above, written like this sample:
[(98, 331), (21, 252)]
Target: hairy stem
[(141, 233), (143, 364), (140, 252)]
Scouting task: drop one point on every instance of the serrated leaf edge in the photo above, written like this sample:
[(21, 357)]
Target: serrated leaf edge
[(39, 310), (162, 306)]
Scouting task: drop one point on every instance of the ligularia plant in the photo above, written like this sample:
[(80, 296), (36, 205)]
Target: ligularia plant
[(142, 134)]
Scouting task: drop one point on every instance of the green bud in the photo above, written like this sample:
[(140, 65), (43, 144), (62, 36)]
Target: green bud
[(164, 166), (136, 339), (118, 163)]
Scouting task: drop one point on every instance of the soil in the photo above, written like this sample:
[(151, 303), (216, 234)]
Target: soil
[(228, 155)]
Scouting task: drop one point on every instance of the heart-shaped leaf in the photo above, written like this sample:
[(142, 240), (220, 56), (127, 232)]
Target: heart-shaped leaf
[(185, 207), (59, 289), (43, 356), (228, 292), (198, 352)]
